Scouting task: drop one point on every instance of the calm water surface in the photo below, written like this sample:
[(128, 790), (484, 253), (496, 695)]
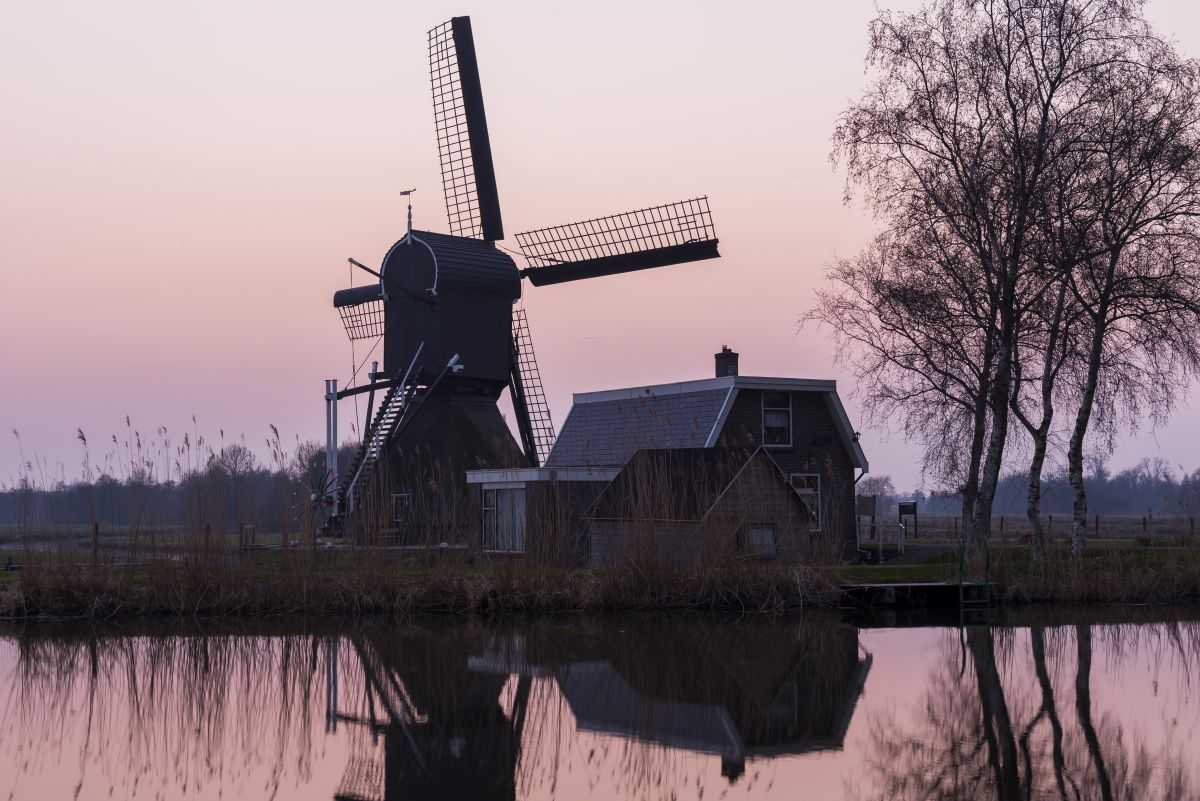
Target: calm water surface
[(1082, 706)]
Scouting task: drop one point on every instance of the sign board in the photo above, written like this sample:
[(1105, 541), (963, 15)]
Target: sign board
[(908, 508)]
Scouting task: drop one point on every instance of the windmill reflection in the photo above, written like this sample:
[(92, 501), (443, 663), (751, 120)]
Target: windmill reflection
[(449, 712)]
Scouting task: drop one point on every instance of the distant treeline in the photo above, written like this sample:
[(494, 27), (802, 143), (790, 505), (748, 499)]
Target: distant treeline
[(1151, 487), (232, 487)]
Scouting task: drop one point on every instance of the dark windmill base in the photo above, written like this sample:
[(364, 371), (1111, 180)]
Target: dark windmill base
[(420, 500)]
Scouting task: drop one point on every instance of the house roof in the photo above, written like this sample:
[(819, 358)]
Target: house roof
[(607, 428), (607, 432), (679, 484)]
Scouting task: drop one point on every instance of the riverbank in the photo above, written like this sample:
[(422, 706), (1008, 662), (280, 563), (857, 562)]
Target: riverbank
[(364, 584), (372, 583)]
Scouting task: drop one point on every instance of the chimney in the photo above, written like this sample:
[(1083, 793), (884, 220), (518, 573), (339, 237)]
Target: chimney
[(727, 362)]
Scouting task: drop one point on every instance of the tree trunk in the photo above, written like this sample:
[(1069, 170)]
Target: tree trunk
[(970, 491), (999, 403), (1040, 434), (998, 732), (1083, 417), (1037, 640), (1033, 506), (1083, 703)]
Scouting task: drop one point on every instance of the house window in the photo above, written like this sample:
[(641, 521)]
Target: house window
[(777, 419), (504, 520), (401, 507), (759, 541), (808, 487)]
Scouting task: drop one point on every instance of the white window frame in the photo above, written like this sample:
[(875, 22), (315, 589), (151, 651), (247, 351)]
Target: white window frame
[(490, 533), (752, 551), (401, 500), (809, 490), (763, 418)]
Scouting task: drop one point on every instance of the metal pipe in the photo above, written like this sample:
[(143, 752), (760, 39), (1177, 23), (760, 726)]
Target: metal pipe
[(331, 448)]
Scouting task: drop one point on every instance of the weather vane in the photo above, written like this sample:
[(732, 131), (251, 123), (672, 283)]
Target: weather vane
[(407, 193)]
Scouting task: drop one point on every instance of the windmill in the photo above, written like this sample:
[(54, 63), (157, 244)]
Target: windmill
[(444, 305)]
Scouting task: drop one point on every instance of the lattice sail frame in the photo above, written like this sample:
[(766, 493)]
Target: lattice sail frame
[(464, 149), (363, 320), (537, 427), (673, 224)]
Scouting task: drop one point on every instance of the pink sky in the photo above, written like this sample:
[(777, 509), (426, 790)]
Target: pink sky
[(182, 184)]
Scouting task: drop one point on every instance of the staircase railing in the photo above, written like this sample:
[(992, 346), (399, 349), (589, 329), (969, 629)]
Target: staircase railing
[(387, 419)]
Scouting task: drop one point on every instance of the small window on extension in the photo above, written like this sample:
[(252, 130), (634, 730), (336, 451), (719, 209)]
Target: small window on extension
[(777, 419), (401, 507), (758, 540), (808, 487)]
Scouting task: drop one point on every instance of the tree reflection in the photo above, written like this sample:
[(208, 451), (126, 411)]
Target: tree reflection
[(977, 734)]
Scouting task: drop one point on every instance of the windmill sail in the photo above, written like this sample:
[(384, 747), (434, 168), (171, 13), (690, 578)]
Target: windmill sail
[(635, 240), (529, 400), (468, 176)]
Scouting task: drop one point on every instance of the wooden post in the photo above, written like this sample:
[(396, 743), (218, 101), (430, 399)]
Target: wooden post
[(1144, 529), (207, 535), (95, 545), (1002, 527), (1191, 526), (1097, 527), (1050, 527)]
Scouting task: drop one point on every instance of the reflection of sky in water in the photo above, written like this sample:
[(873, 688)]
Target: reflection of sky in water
[(686, 708)]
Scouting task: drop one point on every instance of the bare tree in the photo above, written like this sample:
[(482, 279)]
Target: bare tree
[(920, 340), (1008, 147), (1139, 287)]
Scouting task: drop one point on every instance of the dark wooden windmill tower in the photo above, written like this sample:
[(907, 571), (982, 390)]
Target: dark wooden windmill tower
[(444, 306)]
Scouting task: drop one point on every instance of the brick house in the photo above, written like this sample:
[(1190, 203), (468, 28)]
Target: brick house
[(785, 440)]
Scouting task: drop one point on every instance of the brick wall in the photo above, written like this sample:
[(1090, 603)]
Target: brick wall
[(816, 448), (757, 497)]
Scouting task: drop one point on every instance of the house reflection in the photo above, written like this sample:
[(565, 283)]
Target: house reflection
[(449, 711)]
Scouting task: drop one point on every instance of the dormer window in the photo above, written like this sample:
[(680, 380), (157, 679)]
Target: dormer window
[(777, 419)]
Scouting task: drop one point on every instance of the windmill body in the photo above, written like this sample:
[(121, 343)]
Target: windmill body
[(444, 306)]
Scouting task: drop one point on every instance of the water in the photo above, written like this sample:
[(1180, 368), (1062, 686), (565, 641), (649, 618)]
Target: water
[(1083, 706)]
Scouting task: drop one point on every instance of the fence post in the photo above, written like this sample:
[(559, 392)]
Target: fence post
[(1097, 527), (1144, 528), (95, 545), (1001, 528), (1050, 527), (1191, 526)]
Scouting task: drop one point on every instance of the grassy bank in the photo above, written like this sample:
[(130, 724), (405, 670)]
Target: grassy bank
[(275, 582), (370, 583)]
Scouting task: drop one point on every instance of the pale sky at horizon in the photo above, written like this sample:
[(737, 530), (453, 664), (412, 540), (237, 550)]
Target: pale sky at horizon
[(183, 183)]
